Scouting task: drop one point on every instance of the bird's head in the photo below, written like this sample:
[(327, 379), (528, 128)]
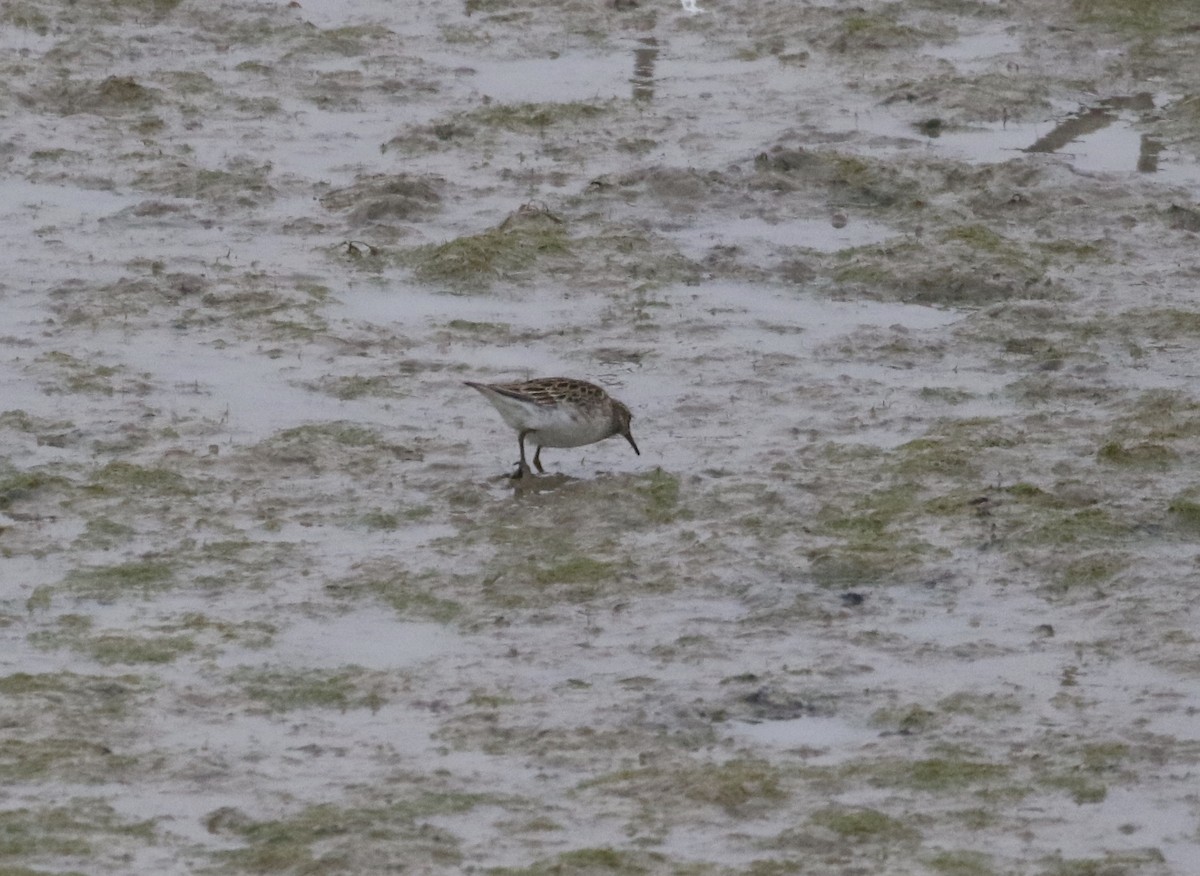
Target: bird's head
[(621, 418)]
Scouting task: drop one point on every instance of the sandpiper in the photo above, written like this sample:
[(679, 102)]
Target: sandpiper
[(557, 412)]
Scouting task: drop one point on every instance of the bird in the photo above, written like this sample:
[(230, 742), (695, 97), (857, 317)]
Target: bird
[(557, 412)]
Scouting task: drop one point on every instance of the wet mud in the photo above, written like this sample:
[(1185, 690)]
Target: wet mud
[(902, 297)]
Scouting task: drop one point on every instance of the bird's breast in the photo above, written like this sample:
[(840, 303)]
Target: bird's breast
[(559, 427)]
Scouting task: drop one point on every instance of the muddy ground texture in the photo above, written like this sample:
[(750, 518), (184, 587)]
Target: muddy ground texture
[(903, 296)]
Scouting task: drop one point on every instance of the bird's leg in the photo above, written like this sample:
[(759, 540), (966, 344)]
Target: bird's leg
[(523, 466), (537, 460)]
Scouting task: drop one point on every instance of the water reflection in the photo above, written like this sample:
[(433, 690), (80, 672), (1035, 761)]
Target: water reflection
[(1072, 128), (1148, 155), (1098, 117), (643, 68)]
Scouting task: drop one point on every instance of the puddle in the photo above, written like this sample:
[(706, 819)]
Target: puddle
[(25, 42), (835, 738), (195, 379), (574, 77), (977, 51), (1132, 819), (1105, 137), (566, 77), (58, 205), (369, 640), (820, 319), (817, 234), (183, 812)]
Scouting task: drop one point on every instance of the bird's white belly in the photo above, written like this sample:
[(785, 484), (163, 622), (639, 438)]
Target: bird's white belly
[(557, 427)]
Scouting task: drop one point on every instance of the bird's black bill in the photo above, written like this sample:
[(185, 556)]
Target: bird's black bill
[(632, 444)]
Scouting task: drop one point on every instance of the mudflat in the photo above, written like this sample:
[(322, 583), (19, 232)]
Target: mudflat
[(902, 297)]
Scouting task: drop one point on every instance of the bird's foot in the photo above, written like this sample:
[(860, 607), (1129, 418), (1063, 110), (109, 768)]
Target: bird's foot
[(523, 471)]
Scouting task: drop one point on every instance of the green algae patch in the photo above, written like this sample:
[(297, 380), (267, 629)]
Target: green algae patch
[(574, 574), (130, 649), (1087, 771), (568, 544), (380, 520), (862, 32), (284, 690), (863, 565), (1082, 789), (603, 860), (247, 633), (979, 237), (863, 825), (75, 632), (962, 863), (70, 375), (414, 596), (577, 570), (907, 719), (1144, 455), (1037, 498), (970, 266), (874, 544), (355, 386), (1127, 863), (103, 533), (88, 699), (115, 97), (328, 838), (872, 183), (341, 432), (1091, 570), (934, 775), (341, 445), (740, 786), (980, 706), (66, 758), (661, 492), (870, 515), (47, 431), (108, 583), (21, 486), (1087, 526), (75, 834), (1185, 514), (932, 456), (129, 479), (535, 117), (534, 243), (1161, 324), (1146, 18), (241, 183), (528, 238)]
